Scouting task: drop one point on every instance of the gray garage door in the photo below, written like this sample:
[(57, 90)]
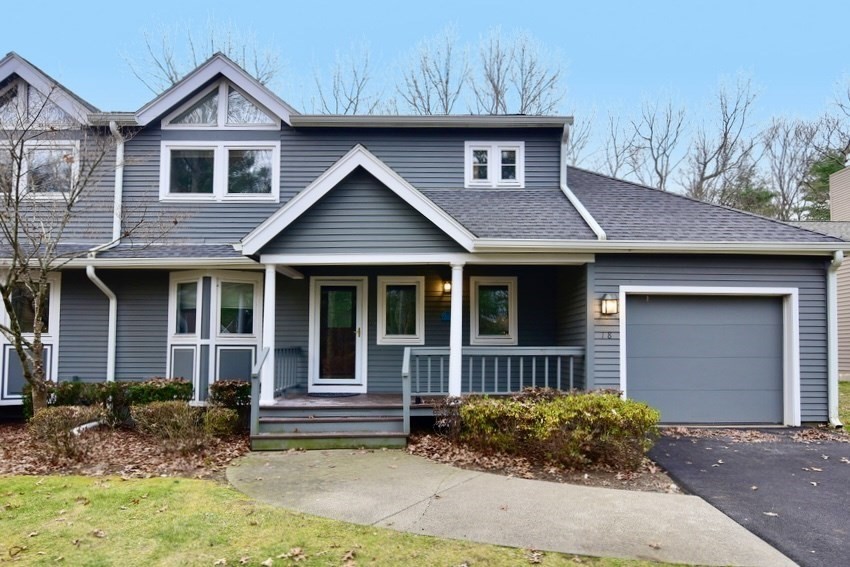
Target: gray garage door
[(702, 359)]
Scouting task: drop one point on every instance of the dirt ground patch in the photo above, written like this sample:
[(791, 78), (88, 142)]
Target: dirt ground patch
[(648, 478), (119, 451)]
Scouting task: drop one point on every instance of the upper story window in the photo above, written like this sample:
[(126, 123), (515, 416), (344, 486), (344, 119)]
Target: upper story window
[(494, 164), (220, 171), (48, 169), (221, 106)]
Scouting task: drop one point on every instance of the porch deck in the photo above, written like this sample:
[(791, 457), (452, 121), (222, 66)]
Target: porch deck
[(304, 401)]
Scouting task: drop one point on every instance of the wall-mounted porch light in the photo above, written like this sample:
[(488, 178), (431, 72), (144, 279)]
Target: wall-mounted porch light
[(447, 286), (610, 304)]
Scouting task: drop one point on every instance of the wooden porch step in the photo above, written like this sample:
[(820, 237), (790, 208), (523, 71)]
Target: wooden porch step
[(327, 440), (323, 424)]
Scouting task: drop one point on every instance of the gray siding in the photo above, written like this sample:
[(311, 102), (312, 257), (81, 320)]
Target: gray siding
[(427, 158), (571, 312), (361, 215), (84, 320), (807, 274), (539, 324)]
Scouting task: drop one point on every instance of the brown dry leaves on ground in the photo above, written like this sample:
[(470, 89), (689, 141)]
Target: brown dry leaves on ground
[(120, 452), (648, 478), (804, 435)]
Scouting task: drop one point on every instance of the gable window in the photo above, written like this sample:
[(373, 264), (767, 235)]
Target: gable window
[(220, 171), (401, 310), (495, 164), (22, 106), (221, 106), (493, 311)]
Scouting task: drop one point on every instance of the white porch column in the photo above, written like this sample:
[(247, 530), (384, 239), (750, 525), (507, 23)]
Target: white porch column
[(456, 337), (269, 302)]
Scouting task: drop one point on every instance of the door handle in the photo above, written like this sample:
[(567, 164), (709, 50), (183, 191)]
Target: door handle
[(358, 332)]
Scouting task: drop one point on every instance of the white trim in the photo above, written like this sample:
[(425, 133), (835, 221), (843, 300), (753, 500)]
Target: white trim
[(494, 165), (419, 285), (169, 262), (832, 337), (456, 332), (424, 259), (655, 246), (791, 333), (221, 111), (571, 197), (218, 64), (359, 384), (429, 121), (221, 153), (358, 156), (58, 95), (513, 335), (267, 377), (53, 144)]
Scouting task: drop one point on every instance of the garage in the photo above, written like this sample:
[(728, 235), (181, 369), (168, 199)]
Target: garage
[(712, 359)]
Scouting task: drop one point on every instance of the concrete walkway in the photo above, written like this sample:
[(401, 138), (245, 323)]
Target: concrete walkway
[(399, 491)]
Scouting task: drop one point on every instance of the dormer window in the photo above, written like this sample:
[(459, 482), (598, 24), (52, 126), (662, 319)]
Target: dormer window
[(221, 106), (495, 164), (24, 107)]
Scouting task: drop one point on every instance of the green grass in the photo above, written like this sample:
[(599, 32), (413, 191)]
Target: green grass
[(844, 404), (167, 521)]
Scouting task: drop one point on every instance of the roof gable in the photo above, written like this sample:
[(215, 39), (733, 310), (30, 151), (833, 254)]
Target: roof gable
[(358, 156), (68, 102), (217, 65)]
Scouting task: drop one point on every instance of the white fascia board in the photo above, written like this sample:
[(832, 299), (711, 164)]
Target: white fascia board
[(661, 247), (429, 121), (426, 259), (358, 156), (217, 65), (43, 84)]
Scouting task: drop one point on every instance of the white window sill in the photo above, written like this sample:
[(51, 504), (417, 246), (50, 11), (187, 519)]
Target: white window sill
[(401, 340), (493, 341)]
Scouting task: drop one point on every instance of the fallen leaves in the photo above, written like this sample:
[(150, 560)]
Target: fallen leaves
[(534, 556)]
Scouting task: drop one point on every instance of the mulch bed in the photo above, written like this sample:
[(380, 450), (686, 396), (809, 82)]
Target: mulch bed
[(648, 478), (122, 452), (807, 435)]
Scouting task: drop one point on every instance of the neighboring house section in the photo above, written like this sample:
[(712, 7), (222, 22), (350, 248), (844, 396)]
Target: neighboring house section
[(399, 259)]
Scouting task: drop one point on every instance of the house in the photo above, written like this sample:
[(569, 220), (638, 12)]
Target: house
[(364, 265), (839, 226)]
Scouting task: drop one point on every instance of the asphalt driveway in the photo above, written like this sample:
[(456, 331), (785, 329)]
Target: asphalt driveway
[(794, 495)]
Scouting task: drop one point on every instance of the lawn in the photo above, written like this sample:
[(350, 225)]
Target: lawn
[(177, 521), (844, 404)]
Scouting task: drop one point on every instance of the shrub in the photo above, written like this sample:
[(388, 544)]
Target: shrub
[(158, 390), (178, 425), (574, 430), (52, 427), (230, 393), (220, 421)]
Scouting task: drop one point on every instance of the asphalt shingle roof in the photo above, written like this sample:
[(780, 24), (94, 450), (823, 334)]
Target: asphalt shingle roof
[(171, 251), (521, 213), (628, 211)]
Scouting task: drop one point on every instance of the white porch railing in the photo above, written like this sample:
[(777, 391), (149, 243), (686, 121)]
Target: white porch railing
[(491, 370), (286, 366)]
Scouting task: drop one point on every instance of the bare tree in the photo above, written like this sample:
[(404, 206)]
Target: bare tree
[(435, 75), (349, 89), (169, 55), (618, 148), (578, 140), (658, 135), (515, 76), (721, 148), (788, 154), (43, 182), (537, 83)]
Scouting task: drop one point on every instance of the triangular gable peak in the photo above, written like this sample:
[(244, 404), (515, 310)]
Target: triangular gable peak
[(251, 95), (28, 96), (356, 157)]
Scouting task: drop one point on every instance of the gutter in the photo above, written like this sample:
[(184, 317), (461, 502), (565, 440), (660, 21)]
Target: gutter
[(832, 336), (119, 181), (113, 321), (578, 205)]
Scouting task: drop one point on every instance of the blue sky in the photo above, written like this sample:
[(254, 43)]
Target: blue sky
[(616, 53)]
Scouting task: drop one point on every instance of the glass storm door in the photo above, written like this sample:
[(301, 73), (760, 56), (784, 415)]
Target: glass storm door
[(338, 335)]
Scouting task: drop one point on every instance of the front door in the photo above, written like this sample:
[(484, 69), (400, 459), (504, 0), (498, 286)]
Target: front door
[(337, 346)]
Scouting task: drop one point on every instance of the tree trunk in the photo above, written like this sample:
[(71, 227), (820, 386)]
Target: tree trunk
[(39, 396)]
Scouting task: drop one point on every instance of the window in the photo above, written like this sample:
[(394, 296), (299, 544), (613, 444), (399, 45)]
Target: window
[(495, 164), (23, 305), (221, 106), (49, 169), (187, 308), (21, 105), (220, 171), (401, 310), (493, 311), (236, 308)]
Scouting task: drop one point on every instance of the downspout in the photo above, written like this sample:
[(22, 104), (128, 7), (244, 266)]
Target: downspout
[(112, 326), (832, 336), (579, 206)]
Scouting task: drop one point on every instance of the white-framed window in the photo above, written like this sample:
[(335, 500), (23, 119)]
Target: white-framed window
[(49, 168), (401, 310), (219, 171), (494, 164), (221, 106), (493, 310), (23, 106)]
